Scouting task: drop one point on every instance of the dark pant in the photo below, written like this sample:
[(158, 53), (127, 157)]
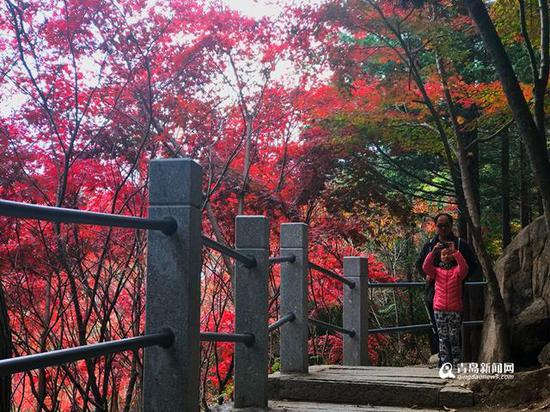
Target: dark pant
[(448, 329)]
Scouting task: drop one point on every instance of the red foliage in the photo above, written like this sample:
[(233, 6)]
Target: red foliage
[(108, 87)]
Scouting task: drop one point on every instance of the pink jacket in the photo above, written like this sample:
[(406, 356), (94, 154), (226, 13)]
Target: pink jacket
[(448, 282)]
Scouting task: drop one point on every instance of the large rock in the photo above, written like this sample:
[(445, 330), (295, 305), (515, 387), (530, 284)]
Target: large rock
[(523, 273), (544, 355)]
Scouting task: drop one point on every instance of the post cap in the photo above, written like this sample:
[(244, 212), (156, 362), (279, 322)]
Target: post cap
[(294, 235), (251, 232), (356, 267), (175, 182)]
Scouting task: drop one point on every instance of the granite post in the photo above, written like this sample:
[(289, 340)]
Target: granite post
[(251, 306), (294, 335), (171, 376), (356, 311)]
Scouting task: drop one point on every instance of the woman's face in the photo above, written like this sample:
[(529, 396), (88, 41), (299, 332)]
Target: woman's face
[(446, 255)]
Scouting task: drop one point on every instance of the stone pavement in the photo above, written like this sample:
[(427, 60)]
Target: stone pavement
[(290, 406), (410, 387)]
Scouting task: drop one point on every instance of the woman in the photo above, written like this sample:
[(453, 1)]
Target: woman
[(448, 306)]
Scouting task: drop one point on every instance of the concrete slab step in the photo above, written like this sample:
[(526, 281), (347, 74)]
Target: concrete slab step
[(290, 406), (385, 386)]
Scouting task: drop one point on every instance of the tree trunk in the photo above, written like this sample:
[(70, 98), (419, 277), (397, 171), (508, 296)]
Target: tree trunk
[(505, 188), (524, 207), (495, 342), (533, 139), (494, 326), (220, 239), (5, 352), (246, 167), (497, 331), (461, 224), (540, 206), (473, 300), (473, 297)]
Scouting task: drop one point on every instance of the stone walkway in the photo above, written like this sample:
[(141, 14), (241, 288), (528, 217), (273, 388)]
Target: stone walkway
[(405, 387), (288, 406)]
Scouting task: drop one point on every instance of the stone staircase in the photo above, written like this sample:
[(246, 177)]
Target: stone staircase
[(343, 388)]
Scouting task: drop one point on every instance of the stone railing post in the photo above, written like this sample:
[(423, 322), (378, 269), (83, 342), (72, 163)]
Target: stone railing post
[(251, 305), (294, 335), (171, 376), (356, 311)]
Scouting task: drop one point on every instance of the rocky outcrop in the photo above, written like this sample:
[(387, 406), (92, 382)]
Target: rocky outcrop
[(523, 273), (544, 355)]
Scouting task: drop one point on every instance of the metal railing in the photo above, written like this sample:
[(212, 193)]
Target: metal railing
[(289, 317), (164, 339), (167, 225), (406, 328), (281, 259), (332, 274), (417, 327), (246, 338), (172, 339), (27, 363), (330, 326), (414, 284), (173, 292), (248, 261)]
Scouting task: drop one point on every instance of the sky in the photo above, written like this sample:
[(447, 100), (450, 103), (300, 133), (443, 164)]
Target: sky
[(263, 8), (257, 8), (252, 8)]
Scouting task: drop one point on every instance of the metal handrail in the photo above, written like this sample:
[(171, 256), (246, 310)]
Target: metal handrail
[(280, 259), (335, 328), (168, 225), (247, 338), (405, 328), (414, 284), (476, 283), (396, 284), (472, 322), (164, 339), (289, 317), (248, 261), (422, 326), (332, 275)]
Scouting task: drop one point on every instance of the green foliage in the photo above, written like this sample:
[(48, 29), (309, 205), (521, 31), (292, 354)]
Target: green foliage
[(276, 365), (505, 14), (520, 62)]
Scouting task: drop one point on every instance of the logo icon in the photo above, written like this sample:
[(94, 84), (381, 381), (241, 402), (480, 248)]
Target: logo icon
[(446, 371)]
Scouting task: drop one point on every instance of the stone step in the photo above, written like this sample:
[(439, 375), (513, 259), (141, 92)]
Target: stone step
[(290, 406), (371, 385)]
